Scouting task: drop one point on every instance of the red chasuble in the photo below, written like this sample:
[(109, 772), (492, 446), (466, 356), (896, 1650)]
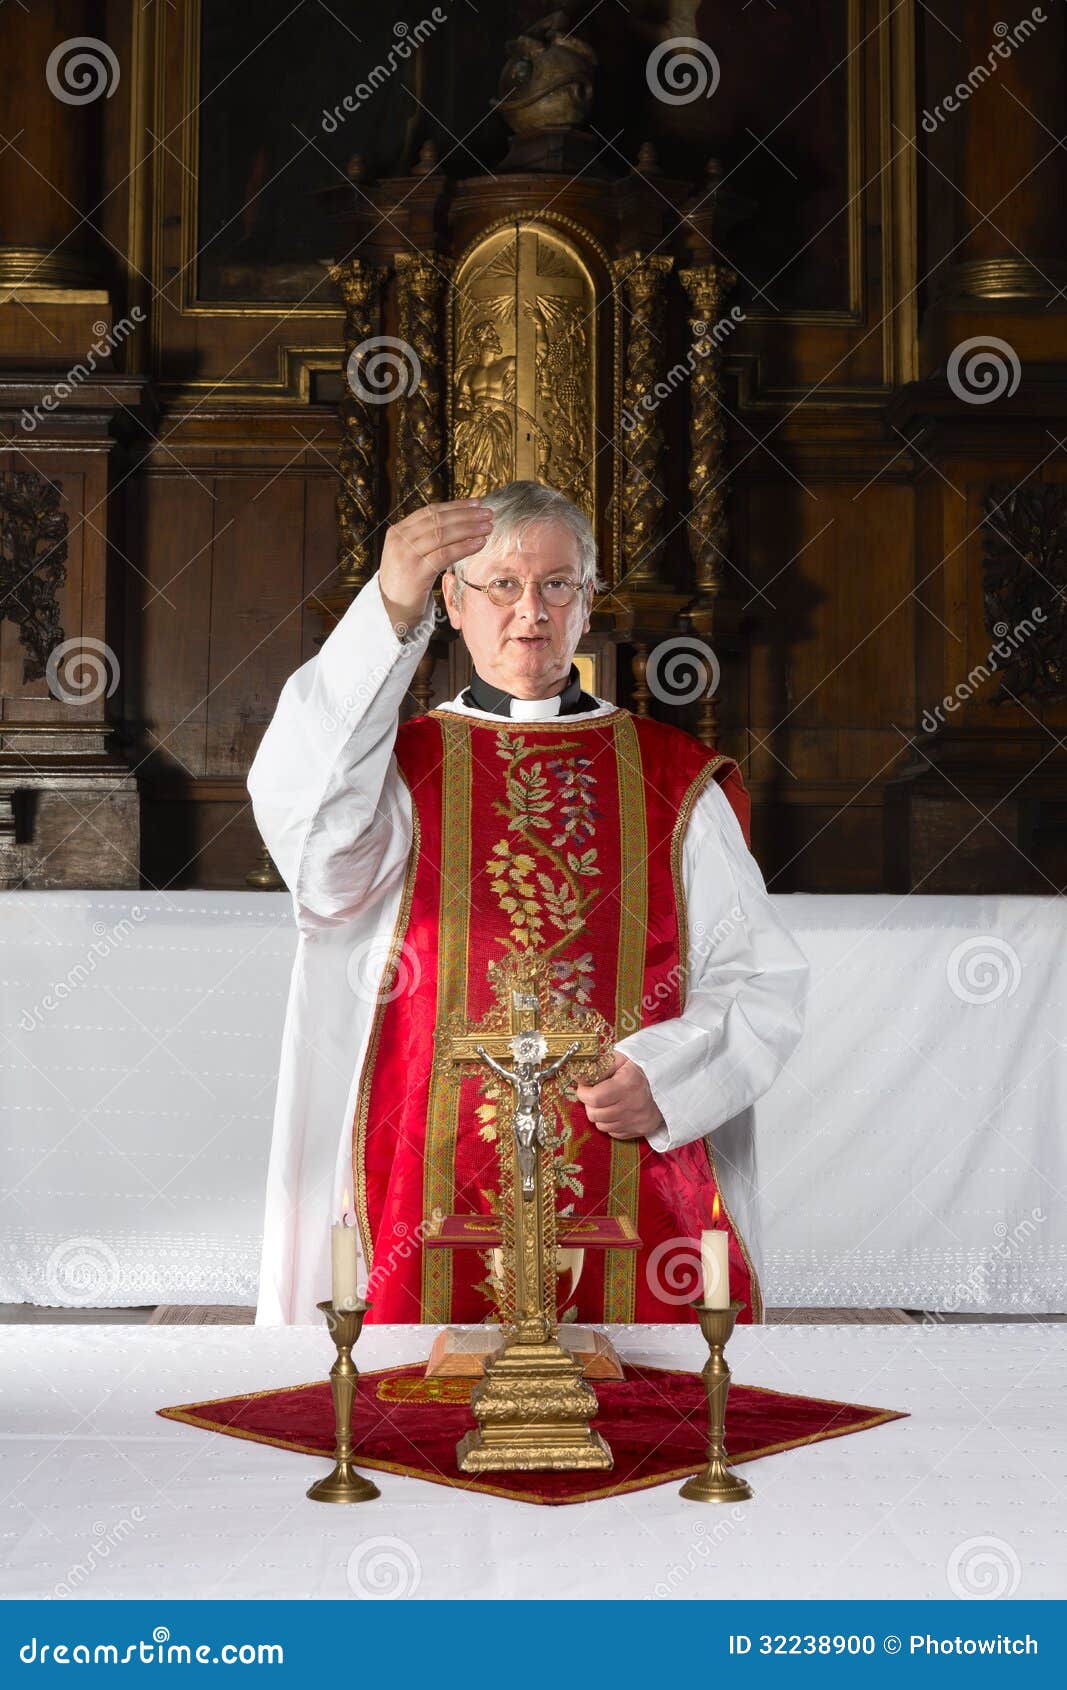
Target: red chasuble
[(562, 836)]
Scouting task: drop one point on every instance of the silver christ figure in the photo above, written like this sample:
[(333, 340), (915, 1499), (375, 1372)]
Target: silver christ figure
[(526, 1078)]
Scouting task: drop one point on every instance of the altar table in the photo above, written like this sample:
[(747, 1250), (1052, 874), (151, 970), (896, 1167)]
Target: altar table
[(104, 1498)]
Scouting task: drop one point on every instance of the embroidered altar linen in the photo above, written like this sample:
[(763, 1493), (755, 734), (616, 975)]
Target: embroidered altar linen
[(905, 1155), (337, 817)]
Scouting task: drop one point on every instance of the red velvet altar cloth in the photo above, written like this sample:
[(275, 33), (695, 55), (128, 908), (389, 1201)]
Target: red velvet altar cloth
[(654, 1420)]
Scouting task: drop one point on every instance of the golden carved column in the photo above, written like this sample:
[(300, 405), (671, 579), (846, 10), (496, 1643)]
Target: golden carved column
[(639, 670), (641, 496), (421, 454), (359, 284), (706, 285)]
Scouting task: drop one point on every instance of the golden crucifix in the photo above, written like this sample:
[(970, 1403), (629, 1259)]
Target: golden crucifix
[(533, 1404)]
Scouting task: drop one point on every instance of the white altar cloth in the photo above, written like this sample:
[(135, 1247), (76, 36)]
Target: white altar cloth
[(913, 1152), (105, 1499)]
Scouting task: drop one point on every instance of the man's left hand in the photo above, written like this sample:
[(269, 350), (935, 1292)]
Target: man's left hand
[(621, 1105)]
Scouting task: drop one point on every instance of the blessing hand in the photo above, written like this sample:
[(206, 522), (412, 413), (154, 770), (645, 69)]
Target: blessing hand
[(621, 1105)]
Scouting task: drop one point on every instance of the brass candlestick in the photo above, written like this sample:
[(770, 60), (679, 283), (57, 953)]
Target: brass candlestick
[(716, 1483), (344, 1484)]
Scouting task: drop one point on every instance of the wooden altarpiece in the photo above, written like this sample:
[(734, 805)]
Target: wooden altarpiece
[(562, 320)]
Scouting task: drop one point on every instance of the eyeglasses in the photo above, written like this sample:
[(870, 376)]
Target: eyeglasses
[(507, 589)]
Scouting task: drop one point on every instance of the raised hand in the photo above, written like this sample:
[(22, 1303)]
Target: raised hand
[(420, 546)]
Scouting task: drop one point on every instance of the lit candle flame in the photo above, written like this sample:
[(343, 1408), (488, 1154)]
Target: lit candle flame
[(714, 1210)]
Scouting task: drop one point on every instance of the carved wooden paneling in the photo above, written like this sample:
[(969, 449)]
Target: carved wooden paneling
[(831, 668), (235, 554), (33, 564), (844, 533)]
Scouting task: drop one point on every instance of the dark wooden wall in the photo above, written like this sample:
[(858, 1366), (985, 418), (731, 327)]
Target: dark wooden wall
[(200, 202)]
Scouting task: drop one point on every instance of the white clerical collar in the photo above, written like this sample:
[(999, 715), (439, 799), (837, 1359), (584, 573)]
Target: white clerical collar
[(534, 709), (603, 707)]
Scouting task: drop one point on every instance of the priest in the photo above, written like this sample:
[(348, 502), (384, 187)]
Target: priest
[(522, 817)]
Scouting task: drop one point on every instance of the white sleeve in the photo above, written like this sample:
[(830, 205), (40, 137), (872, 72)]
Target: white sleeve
[(326, 793), (747, 978)]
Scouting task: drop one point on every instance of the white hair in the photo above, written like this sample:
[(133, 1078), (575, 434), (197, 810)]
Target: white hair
[(521, 503)]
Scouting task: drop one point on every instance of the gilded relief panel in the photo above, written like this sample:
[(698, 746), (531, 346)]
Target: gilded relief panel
[(522, 397)]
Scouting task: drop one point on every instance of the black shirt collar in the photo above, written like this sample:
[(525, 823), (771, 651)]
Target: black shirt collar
[(481, 696)]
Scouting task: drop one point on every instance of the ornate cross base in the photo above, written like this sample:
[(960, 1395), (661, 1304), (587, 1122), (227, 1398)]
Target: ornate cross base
[(533, 1409)]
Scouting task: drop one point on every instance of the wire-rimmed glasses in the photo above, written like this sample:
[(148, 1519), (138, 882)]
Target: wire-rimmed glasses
[(504, 590)]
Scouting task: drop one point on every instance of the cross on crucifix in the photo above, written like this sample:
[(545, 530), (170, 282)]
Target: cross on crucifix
[(529, 1208), (529, 1045), (524, 1016)]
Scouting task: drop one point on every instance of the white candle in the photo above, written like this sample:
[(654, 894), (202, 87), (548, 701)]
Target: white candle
[(715, 1265), (344, 1253)]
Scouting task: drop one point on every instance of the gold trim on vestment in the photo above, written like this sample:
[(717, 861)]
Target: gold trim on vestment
[(362, 1109), (453, 955), (620, 1266), (685, 810)]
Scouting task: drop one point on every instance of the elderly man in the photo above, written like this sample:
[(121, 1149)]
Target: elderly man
[(522, 817)]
